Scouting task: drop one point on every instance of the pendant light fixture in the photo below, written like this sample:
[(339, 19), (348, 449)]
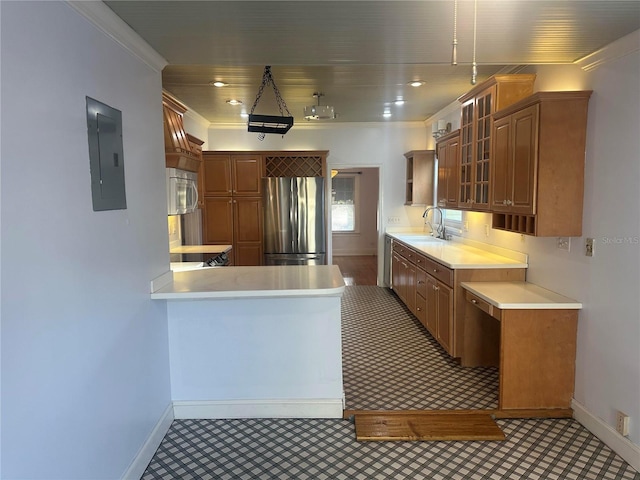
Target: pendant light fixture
[(319, 112), (454, 52), (474, 65), (269, 123)]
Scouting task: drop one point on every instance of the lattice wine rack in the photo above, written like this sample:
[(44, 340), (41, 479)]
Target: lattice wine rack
[(293, 166)]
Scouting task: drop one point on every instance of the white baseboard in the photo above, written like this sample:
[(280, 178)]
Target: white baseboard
[(278, 408), (616, 442), (148, 449)]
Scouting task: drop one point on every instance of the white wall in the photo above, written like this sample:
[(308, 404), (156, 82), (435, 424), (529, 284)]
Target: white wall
[(85, 373), (608, 357)]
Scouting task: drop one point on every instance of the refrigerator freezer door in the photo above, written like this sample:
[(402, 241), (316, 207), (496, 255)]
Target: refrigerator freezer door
[(294, 259), (294, 220)]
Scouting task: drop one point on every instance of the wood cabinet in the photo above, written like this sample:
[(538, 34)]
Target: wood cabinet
[(429, 299), (233, 203), (404, 279), (432, 292), (420, 177), (218, 221), (474, 161), (236, 175), (538, 172), (179, 152), (447, 150)]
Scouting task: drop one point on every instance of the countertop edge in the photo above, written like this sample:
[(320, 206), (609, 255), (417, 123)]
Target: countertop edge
[(550, 305), (323, 292)]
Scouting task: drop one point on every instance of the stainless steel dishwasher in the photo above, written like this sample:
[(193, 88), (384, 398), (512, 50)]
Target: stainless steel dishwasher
[(388, 245)]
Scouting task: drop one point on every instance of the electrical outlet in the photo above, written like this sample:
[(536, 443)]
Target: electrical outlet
[(622, 423), (393, 220), (564, 243), (486, 229), (589, 247), (466, 225)]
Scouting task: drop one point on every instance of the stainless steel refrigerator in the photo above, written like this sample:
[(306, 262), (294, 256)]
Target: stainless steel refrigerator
[(294, 221)]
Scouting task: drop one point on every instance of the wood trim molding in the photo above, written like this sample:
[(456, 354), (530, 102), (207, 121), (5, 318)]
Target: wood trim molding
[(621, 47), (112, 25)]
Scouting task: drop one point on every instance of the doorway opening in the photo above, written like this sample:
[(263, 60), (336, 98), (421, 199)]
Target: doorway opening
[(354, 222)]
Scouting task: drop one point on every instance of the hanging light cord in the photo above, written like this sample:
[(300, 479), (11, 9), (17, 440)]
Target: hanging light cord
[(474, 68), (454, 53)]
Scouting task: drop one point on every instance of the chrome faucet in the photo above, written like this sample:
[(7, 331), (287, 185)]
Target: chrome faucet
[(438, 230)]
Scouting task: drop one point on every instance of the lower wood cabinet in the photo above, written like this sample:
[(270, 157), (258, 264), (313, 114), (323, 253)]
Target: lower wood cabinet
[(235, 221), (440, 312), (432, 292)]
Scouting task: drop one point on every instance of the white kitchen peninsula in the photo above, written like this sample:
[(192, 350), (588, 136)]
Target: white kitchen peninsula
[(255, 341)]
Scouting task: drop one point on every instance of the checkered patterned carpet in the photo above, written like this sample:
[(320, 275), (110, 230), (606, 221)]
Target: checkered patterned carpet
[(391, 362), (315, 449)]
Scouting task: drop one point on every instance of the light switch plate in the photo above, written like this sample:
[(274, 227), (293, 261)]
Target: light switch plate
[(564, 243)]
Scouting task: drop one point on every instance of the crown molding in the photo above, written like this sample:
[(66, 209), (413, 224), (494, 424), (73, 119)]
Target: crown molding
[(196, 117), (109, 23), (617, 49)]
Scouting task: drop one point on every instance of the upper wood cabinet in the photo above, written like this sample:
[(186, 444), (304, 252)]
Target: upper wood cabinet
[(538, 171), (247, 171), (420, 177), (178, 150), (474, 164), (448, 148), (232, 174)]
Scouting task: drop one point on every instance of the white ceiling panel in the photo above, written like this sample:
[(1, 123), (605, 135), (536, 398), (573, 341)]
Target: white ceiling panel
[(361, 54)]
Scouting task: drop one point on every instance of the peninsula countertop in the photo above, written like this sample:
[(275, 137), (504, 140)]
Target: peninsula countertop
[(253, 282), (458, 255)]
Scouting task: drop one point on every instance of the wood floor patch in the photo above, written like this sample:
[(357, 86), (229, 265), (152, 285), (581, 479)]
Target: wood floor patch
[(427, 426)]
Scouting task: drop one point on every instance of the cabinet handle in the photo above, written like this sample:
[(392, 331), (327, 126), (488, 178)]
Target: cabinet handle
[(419, 309), (420, 282), (504, 202), (435, 270), (474, 301), (418, 261)]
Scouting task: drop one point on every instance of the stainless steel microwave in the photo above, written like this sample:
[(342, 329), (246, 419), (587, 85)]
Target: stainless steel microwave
[(182, 191)]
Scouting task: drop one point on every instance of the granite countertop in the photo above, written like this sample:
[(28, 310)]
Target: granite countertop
[(250, 282), (458, 255), (520, 296)]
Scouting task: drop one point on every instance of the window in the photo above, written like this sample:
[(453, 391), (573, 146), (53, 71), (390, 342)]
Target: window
[(453, 221), (344, 205)]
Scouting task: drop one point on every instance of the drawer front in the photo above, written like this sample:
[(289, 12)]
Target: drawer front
[(442, 273), (421, 282), (420, 260), (482, 304), (403, 250)]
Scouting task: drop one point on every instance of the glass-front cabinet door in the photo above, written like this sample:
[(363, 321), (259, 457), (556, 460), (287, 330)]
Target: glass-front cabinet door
[(482, 150)]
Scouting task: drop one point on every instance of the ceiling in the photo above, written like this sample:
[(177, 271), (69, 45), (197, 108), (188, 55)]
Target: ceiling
[(360, 54)]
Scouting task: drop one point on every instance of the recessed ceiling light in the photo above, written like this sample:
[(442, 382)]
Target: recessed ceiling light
[(234, 102), (399, 102), (244, 114), (218, 84), (386, 114), (416, 83)]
